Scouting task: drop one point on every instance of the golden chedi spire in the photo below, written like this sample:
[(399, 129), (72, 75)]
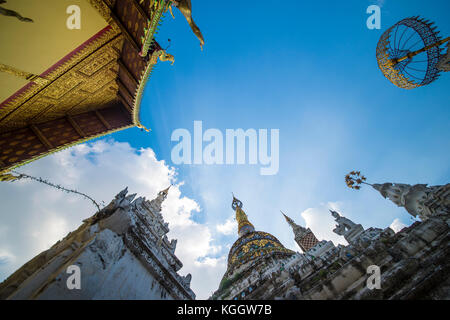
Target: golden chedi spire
[(244, 226), (251, 245)]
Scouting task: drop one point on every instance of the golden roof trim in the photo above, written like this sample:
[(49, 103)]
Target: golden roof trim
[(59, 68)]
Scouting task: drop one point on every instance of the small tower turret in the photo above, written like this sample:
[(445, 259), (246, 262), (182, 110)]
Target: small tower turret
[(304, 237), (347, 228), (157, 202)]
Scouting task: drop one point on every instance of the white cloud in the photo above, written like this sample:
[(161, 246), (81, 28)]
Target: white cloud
[(397, 225), (35, 216), (6, 258), (227, 228), (46, 230)]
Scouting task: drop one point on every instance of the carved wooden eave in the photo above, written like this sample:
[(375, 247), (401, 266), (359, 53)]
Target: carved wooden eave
[(93, 91)]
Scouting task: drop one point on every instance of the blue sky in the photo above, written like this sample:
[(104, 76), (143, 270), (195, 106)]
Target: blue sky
[(308, 69), (305, 68)]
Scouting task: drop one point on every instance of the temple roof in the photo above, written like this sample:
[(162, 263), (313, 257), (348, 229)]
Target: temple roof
[(64, 91)]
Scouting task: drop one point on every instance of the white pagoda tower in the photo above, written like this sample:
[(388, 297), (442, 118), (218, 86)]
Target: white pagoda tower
[(121, 252)]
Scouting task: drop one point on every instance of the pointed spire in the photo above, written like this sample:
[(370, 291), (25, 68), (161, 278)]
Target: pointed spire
[(165, 192), (335, 214), (304, 237), (295, 227), (162, 195), (244, 226), (291, 222)]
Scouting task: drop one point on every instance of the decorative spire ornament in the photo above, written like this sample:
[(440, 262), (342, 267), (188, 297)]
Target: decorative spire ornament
[(354, 179), (409, 53)]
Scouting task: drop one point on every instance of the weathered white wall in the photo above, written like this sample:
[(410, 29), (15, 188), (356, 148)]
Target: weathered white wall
[(108, 271), (122, 252)]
